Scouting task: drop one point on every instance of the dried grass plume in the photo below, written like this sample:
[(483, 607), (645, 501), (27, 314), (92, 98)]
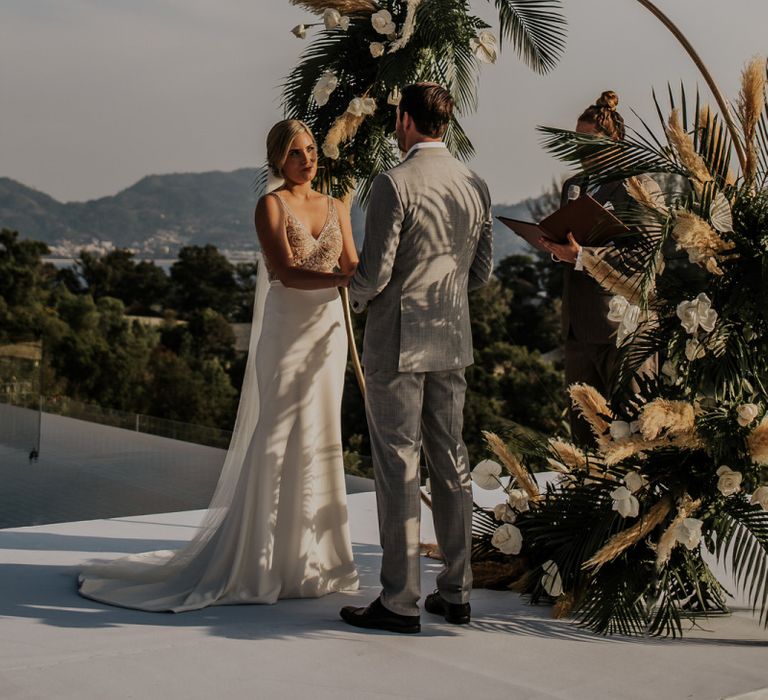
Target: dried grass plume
[(632, 535), (682, 143), (757, 442), (750, 104), (664, 416), (593, 406), (518, 471), (685, 508)]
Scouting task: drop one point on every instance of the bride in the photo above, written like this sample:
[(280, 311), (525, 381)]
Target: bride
[(277, 524)]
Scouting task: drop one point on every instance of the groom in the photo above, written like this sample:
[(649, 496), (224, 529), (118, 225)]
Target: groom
[(428, 238)]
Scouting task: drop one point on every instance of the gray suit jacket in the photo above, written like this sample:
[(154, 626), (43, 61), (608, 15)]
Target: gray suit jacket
[(428, 240)]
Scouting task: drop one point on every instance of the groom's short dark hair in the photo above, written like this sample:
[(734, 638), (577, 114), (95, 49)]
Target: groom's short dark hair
[(430, 106)]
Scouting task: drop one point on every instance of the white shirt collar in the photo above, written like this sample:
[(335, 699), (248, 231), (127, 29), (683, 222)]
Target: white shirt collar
[(424, 144)]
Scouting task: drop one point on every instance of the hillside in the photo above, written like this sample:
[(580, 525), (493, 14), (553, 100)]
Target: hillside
[(162, 213)]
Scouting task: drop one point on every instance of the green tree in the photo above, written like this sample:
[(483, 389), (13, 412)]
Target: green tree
[(203, 278)]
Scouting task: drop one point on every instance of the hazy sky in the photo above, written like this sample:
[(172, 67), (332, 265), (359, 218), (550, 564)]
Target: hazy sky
[(95, 94)]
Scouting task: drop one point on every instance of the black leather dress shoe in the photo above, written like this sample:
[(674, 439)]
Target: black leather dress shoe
[(377, 617), (455, 613)]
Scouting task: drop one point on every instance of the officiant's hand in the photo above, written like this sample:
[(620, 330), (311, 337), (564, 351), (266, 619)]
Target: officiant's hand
[(564, 252)]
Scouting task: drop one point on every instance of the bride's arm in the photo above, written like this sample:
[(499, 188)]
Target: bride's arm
[(348, 260), (274, 244)]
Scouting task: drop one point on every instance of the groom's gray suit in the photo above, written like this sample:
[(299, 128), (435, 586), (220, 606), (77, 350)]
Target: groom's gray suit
[(428, 239)]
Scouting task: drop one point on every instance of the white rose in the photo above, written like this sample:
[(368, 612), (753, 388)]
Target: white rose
[(299, 31), (635, 481), (747, 412), (518, 499), (688, 532), (626, 315), (551, 580), (486, 474), (355, 107), (377, 49), (331, 18), (331, 151), (504, 513), (625, 503), (324, 87), (698, 312), (760, 496), (382, 22), (344, 23), (620, 430), (507, 539), (368, 105), (729, 481), (694, 349), (394, 97), (484, 47)]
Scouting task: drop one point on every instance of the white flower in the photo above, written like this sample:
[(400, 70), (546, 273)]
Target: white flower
[(688, 532), (669, 370), (518, 499), (729, 481), (760, 496), (377, 49), (331, 18), (626, 315), (382, 22), (621, 429), (551, 580), (361, 105), (504, 512), (331, 151), (635, 481), (484, 47), (486, 474), (324, 87), (344, 23), (394, 97), (747, 412), (625, 503), (507, 539), (299, 31), (694, 349), (698, 312)]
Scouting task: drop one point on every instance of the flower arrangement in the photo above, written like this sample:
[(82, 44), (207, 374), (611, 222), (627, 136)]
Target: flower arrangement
[(677, 467), (347, 84)]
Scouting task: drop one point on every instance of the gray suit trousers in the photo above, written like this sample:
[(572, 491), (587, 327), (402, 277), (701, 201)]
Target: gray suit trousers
[(408, 411)]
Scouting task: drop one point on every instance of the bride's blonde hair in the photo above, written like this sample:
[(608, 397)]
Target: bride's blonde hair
[(279, 140)]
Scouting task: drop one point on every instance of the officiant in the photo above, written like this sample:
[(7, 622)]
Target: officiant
[(591, 353)]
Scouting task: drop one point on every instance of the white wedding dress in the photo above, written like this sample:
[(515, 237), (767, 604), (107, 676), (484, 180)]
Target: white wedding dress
[(277, 525)]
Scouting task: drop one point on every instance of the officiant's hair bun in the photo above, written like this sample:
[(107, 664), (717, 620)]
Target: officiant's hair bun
[(279, 140), (604, 116)]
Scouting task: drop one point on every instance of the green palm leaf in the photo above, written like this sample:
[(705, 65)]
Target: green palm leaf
[(742, 532), (536, 29)]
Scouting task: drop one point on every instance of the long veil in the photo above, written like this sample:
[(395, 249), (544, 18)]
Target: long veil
[(163, 565)]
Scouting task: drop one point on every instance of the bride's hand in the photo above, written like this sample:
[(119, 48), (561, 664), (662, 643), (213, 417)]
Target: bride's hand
[(345, 277)]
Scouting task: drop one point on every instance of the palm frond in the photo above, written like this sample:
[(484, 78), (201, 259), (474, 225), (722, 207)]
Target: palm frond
[(536, 29), (604, 160), (742, 534)]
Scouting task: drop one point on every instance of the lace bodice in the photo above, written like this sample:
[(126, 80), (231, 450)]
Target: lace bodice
[(309, 253)]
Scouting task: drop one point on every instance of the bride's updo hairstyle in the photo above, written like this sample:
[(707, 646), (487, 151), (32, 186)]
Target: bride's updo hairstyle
[(604, 116), (279, 140)]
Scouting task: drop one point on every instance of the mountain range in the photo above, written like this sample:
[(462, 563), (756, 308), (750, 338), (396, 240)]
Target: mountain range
[(162, 213)]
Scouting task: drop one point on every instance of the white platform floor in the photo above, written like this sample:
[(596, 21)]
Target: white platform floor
[(55, 644)]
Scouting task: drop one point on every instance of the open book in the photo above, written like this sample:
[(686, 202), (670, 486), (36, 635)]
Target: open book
[(590, 223)]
